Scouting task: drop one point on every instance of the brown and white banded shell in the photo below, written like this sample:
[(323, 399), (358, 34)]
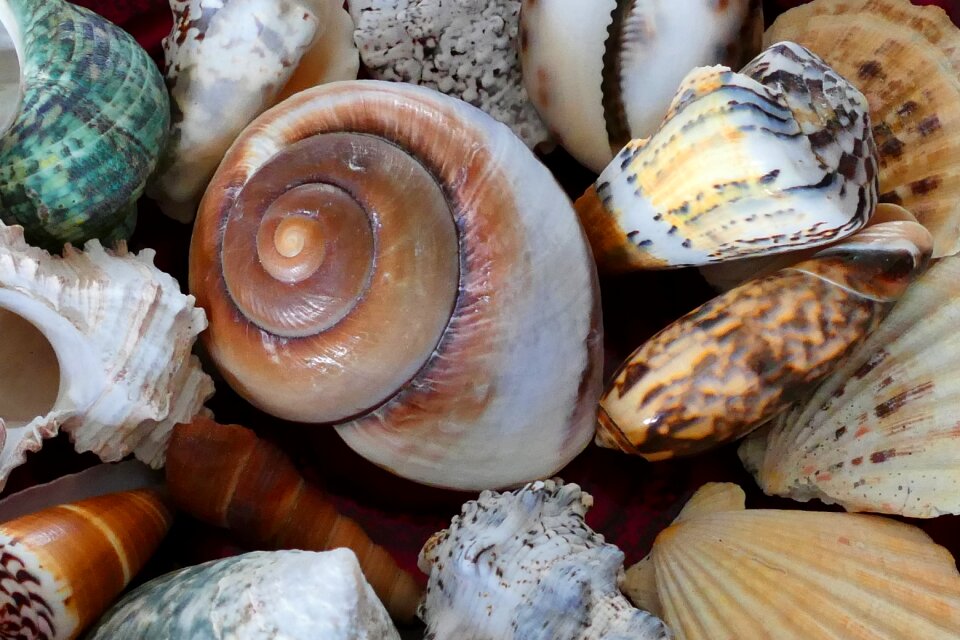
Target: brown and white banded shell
[(390, 260), (602, 73), (737, 361), (906, 61)]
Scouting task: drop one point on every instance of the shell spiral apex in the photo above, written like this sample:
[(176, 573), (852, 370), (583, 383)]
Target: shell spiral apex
[(384, 258)]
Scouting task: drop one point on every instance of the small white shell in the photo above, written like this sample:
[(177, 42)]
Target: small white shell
[(524, 565), (97, 343)]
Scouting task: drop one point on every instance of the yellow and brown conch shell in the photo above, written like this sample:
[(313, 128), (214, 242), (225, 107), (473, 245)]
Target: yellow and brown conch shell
[(737, 361)]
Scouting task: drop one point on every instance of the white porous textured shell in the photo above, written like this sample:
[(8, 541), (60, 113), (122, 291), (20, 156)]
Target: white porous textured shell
[(463, 48), (98, 343), (524, 565), (293, 595)]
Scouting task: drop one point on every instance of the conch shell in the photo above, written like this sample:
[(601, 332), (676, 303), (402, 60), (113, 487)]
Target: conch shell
[(384, 258), (228, 61), (525, 565), (737, 361), (62, 567), (98, 343), (604, 72), (83, 116), (906, 61), (294, 595), (880, 434), (252, 488), (777, 157), (722, 571)]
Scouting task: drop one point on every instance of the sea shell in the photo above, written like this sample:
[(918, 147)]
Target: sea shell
[(252, 488), (384, 258), (228, 61), (603, 73), (525, 565), (98, 343), (880, 434), (739, 360), (465, 49), (906, 61), (777, 157), (83, 116), (62, 567), (722, 571), (294, 595)]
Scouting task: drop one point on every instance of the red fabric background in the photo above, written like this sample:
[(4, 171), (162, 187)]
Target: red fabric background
[(634, 500)]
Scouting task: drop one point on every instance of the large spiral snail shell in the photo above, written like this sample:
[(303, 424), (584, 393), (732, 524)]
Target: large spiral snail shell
[(391, 260)]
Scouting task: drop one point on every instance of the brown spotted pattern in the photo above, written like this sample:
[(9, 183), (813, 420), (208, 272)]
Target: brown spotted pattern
[(25, 610)]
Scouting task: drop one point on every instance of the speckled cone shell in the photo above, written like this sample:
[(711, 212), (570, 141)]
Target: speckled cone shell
[(737, 361), (603, 72), (289, 595), (84, 128), (525, 566), (458, 355), (906, 61), (97, 343), (62, 567), (772, 159), (880, 434), (723, 572), (226, 62)]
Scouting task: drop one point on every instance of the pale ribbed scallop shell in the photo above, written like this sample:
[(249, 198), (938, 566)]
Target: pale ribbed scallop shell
[(777, 157), (722, 572), (880, 434), (906, 61)]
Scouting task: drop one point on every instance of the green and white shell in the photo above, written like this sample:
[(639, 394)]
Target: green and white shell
[(84, 112)]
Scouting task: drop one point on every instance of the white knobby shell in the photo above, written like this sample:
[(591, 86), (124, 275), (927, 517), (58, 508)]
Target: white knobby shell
[(98, 343), (525, 565)]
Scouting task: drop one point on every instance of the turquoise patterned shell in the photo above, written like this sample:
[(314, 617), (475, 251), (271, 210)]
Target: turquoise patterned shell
[(94, 117)]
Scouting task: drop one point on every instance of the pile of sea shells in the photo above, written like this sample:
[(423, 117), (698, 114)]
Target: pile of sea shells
[(390, 259)]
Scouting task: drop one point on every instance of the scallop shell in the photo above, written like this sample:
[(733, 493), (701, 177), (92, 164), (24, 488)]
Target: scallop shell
[(227, 62), (768, 160), (603, 73), (60, 568), (880, 434), (725, 572), (294, 595), (906, 61), (525, 565), (83, 116), (737, 361), (384, 258), (98, 343), (465, 49)]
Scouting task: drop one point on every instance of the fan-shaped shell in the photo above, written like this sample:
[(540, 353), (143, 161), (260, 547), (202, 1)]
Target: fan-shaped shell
[(906, 61), (84, 115), (880, 434), (777, 157), (385, 258), (603, 73), (725, 572)]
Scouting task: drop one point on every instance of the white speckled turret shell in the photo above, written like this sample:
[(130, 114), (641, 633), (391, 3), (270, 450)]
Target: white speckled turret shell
[(264, 595), (98, 343), (524, 565), (880, 434), (777, 157), (226, 62), (721, 571), (464, 48), (604, 72)]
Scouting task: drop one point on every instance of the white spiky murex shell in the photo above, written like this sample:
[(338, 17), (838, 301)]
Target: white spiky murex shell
[(772, 159), (880, 434), (97, 343), (723, 571), (524, 564)]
